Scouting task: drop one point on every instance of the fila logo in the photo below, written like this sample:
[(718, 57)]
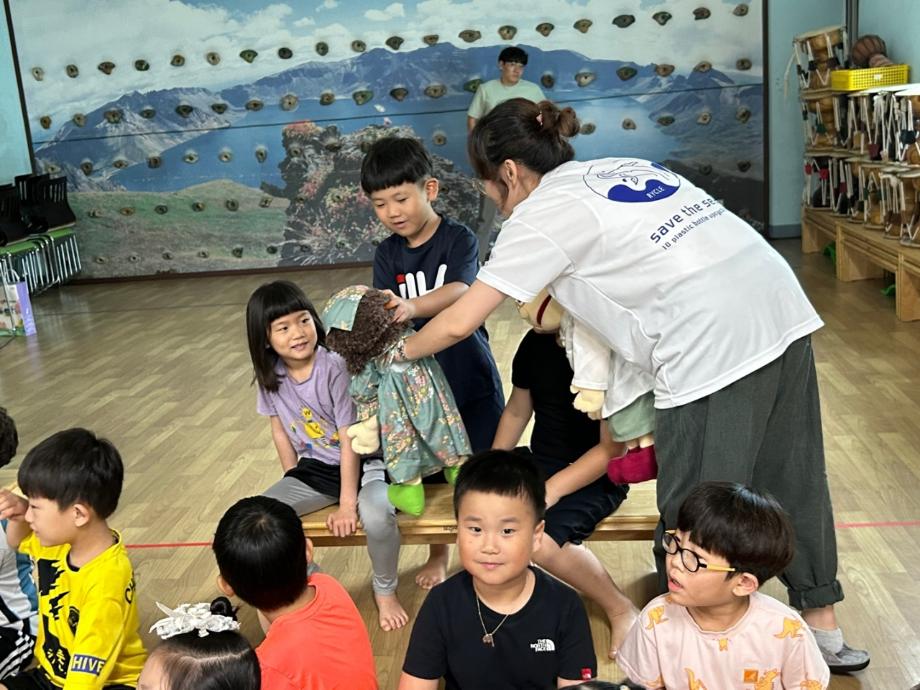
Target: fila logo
[(543, 646), (412, 285)]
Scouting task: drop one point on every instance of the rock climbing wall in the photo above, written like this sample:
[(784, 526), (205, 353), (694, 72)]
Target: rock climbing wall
[(208, 135)]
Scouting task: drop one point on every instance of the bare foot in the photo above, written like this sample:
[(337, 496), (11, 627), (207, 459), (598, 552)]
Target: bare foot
[(620, 623), (434, 572), (390, 612)]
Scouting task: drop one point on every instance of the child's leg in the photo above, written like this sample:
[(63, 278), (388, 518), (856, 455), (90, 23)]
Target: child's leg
[(301, 497), (378, 517)]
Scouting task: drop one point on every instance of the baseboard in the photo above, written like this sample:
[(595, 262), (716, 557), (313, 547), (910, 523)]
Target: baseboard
[(782, 232)]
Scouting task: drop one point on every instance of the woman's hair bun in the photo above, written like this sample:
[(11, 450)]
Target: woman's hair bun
[(562, 122)]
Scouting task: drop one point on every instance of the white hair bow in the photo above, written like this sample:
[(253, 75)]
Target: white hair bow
[(189, 618)]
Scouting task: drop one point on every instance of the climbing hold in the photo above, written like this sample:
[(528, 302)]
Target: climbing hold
[(399, 93), (743, 64), (507, 32), (583, 25), (394, 42), (168, 256), (701, 13), (248, 55), (301, 198), (225, 155), (362, 96), (147, 113), (322, 47), (141, 65), (161, 209), (52, 168), (743, 114), (624, 20), (470, 35), (431, 39), (203, 254), (219, 108), (358, 46), (740, 10), (703, 67), (288, 101), (587, 128), (705, 168), (190, 156), (237, 252), (120, 163), (626, 73), (261, 154), (72, 71), (99, 259), (439, 138), (87, 167), (254, 104), (285, 53), (198, 206), (666, 120), (365, 145), (545, 28), (662, 17), (271, 249), (45, 121), (177, 60), (184, 110), (585, 78), (744, 166), (548, 80), (435, 90), (305, 248), (79, 119), (38, 73), (106, 67), (704, 118), (232, 204), (295, 150), (133, 258), (212, 57), (113, 116), (472, 85), (331, 140), (126, 210), (154, 162), (628, 124), (326, 98), (664, 70), (265, 201), (94, 213)]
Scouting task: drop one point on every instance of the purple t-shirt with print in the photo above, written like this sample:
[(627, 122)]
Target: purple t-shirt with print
[(314, 410)]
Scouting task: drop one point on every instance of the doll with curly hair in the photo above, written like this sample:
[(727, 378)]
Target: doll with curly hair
[(404, 407)]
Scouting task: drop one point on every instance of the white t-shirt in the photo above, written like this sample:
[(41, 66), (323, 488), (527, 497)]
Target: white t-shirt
[(669, 278), (491, 93)]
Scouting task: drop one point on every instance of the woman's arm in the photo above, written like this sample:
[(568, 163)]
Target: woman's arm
[(518, 411), (586, 469), (456, 322), (286, 452)]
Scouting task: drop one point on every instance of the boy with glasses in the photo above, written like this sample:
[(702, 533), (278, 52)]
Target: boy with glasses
[(714, 629)]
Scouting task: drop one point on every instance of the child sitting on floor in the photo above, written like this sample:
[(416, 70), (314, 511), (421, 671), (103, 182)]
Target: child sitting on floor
[(315, 637), (714, 629)]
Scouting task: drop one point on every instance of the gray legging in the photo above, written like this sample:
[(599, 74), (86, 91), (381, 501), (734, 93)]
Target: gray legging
[(377, 514)]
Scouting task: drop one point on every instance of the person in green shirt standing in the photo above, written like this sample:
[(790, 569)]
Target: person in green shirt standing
[(511, 62)]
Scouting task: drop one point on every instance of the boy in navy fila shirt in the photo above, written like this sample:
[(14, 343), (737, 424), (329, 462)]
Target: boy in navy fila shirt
[(428, 262)]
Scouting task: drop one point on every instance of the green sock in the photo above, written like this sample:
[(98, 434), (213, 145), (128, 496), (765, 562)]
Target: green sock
[(450, 474), (409, 498)]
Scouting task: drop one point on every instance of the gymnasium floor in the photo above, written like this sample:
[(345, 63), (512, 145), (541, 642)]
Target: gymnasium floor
[(161, 368)]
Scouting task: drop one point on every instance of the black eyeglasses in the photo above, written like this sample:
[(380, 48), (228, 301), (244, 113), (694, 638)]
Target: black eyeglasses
[(691, 559)]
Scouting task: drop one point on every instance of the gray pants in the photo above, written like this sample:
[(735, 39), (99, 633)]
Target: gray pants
[(377, 514), (765, 431)]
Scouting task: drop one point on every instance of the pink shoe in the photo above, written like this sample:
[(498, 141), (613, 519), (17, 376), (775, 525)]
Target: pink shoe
[(638, 465)]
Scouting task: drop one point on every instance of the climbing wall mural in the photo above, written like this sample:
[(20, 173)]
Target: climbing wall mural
[(206, 135)]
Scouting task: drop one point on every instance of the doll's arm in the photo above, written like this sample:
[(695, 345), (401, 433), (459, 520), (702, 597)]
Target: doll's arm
[(365, 434), (589, 357)]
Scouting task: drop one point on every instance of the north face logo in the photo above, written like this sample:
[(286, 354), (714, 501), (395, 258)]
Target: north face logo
[(543, 646)]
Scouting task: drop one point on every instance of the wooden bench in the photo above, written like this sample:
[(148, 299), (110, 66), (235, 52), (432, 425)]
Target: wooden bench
[(635, 520), (863, 253)]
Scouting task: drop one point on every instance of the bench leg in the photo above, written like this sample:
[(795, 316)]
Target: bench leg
[(811, 237), (853, 266), (907, 293)]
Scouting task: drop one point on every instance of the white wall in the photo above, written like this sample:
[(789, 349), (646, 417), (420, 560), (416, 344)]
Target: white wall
[(896, 21), (14, 145)]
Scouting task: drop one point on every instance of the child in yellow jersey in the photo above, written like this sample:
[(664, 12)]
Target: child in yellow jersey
[(88, 624)]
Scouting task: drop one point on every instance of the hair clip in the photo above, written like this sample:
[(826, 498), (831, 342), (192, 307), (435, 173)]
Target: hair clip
[(191, 618)]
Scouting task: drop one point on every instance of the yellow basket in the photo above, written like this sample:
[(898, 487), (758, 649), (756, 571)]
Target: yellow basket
[(858, 79)]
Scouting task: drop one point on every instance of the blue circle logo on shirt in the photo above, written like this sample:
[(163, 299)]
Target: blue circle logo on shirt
[(632, 181)]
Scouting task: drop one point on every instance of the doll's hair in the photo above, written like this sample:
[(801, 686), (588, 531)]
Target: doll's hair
[(372, 333), (216, 661)]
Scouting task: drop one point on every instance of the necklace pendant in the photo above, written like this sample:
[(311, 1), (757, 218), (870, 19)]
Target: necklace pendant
[(487, 640)]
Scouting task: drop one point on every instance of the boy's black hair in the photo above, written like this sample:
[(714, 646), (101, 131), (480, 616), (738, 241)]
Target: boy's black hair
[(269, 302), (214, 662), (74, 466), (9, 438), (513, 54), (749, 529), (393, 161), (504, 473), (605, 685), (261, 552)]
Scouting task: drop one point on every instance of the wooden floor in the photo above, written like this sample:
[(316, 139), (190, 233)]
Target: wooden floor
[(161, 368)]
